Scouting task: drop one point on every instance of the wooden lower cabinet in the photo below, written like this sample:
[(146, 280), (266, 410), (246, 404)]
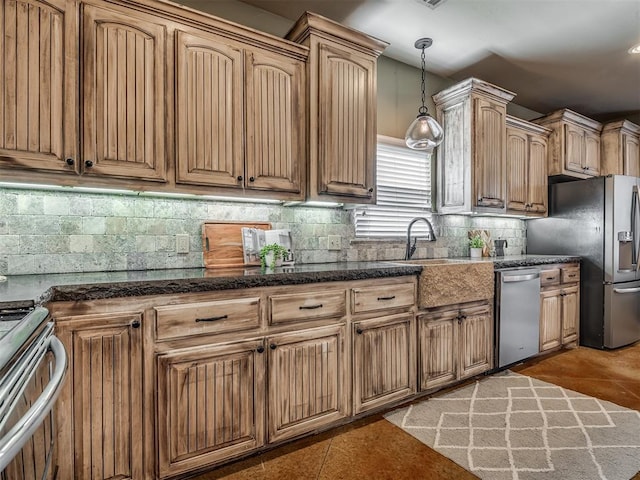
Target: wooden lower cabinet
[(99, 412), (454, 343), (559, 317), (307, 373), (210, 404), (383, 360)]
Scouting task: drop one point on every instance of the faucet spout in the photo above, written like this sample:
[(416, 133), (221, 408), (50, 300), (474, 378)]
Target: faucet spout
[(412, 248)]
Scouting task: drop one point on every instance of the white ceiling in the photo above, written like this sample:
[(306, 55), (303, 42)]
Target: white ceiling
[(552, 53)]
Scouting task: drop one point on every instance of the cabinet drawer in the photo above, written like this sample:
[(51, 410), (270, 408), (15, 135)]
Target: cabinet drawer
[(382, 297), (207, 317), (550, 277), (304, 306), (570, 274)]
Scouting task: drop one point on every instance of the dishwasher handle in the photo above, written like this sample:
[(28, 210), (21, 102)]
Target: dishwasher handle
[(507, 278)]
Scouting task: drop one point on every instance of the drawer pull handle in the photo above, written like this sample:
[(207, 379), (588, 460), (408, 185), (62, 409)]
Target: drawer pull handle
[(549, 278), (386, 298), (211, 319), (310, 307)]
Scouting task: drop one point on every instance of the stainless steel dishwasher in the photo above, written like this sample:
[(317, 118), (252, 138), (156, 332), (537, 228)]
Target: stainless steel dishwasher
[(517, 315)]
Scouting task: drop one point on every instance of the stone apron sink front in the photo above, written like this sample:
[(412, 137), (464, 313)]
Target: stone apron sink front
[(448, 281)]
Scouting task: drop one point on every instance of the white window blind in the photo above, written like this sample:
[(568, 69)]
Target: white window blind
[(403, 188)]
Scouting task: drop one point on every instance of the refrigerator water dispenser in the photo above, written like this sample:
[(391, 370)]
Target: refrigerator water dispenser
[(625, 252)]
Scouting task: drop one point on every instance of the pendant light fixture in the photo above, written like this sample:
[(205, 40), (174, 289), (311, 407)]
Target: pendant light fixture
[(424, 132)]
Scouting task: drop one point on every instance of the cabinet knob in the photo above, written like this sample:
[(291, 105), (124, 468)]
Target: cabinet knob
[(371, 190), (240, 178), (252, 179), (359, 331), (135, 324), (70, 161), (273, 346), (260, 349), (88, 163)]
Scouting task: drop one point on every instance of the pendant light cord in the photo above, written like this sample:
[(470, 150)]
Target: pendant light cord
[(423, 109)]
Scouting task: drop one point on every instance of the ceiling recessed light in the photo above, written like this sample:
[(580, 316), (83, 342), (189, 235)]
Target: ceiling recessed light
[(635, 49)]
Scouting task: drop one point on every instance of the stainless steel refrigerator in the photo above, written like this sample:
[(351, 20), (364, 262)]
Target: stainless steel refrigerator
[(598, 219)]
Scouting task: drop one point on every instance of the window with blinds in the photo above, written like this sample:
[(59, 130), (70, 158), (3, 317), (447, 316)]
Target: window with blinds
[(403, 188)]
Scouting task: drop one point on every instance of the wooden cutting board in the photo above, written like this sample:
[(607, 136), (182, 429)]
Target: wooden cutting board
[(222, 242)]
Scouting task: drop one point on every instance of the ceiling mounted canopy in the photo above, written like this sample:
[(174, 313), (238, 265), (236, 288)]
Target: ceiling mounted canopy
[(424, 132)]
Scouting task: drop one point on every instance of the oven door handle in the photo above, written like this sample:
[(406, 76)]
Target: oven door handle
[(14, 440)]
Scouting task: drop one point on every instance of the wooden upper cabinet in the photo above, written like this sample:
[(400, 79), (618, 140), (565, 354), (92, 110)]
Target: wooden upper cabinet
[(574, 144), (123, 94), (489, 152), (526, 167), (37, 87), (209, 110), (275, 134), (342, 102), (100, 409), (620, 154), (471, 162), (210, 404)]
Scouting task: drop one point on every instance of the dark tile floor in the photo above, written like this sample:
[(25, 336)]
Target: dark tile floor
[(375, 449)]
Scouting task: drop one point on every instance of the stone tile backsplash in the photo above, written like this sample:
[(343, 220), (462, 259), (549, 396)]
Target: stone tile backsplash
[(43, 231)]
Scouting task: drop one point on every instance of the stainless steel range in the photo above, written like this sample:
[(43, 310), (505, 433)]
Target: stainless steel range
[(32, 368)]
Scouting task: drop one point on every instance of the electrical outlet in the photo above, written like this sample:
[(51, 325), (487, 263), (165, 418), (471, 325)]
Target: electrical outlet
[(333, 243), (182, 243)]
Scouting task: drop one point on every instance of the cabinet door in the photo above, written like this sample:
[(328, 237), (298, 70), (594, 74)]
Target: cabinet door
[(209, 109), (591, 154), (570, 313), (437, 350), (123, 94), (631, 155), (537, 174), (574, 148), (275, 126), (517, 170), (476, 341), (37, 85), (100, 410), (307, 380), (346, 124), (210, 404), (453, 172), (384, 361), (490, 153), (550, 319)]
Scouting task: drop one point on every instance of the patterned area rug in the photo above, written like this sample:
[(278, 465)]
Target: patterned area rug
[(510, 426)]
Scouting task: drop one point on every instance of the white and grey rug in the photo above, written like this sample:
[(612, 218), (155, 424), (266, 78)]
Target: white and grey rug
[(510, 426)]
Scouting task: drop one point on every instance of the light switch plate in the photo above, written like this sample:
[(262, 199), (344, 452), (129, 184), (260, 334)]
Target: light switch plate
[(182, 243), (333, 242)]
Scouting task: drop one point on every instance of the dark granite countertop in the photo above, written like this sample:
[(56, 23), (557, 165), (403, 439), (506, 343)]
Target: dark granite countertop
[(40, 289), (513, 261), (20, 290)]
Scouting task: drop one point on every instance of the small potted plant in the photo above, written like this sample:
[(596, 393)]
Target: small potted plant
[(272, 255), (475, 246)]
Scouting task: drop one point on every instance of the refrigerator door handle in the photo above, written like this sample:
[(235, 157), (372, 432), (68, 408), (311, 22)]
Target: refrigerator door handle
[(627, 290), (635, 207)]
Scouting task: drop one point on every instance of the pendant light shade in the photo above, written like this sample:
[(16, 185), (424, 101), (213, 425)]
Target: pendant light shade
[(424, 132)]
